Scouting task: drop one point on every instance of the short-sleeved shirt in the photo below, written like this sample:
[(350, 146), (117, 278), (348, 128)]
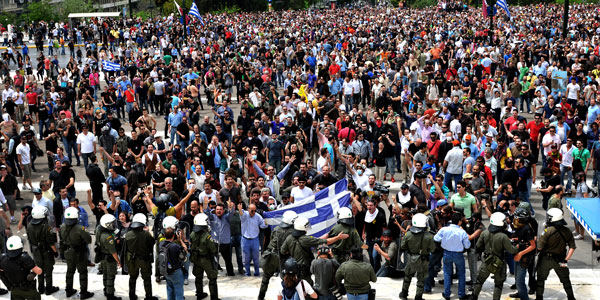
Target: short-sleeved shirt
[(301, 296), (465, 202)]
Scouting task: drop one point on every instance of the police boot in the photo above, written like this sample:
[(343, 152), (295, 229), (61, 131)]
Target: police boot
[(112, 297), (86, 295), (419, 297), (151, 298), (51, 290), (403, 295), (70, 292), (202, 296)]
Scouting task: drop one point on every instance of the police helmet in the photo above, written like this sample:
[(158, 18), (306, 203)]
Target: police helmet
[(71, 216), (38, 214), (290, 267), (139, 220), (108, 221), (288, 218), (14, 246), (344, 215), (200, 222), (170, 222)]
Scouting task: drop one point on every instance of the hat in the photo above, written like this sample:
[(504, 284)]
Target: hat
[(468, 137), (455, 142), (2, 167), (489, 134), (37, 191), (240, 127), (442, 203), (468, 176), (285, 195)]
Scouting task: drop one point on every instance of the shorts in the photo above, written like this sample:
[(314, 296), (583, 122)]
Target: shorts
[(26, 171), (11, 201)]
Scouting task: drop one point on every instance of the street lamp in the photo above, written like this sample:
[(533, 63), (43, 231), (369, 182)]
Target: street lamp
[(491, 13), (565, 19)]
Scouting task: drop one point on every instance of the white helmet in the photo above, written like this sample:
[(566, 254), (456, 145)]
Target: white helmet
[(344, 215), (200, 222), (288, 218), (14, 246), (498, 219), (71, 216), (555, 215), (139, 220), (108, 221), (419, 220), (301, 224), (170, 222), (38, 213)]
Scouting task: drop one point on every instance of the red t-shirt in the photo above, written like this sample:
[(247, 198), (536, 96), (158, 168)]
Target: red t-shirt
[(31, 98), (130, 95), (534, 130)]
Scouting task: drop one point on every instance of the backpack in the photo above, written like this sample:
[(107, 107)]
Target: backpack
[(157, 228), (164, 261), (295, 296)]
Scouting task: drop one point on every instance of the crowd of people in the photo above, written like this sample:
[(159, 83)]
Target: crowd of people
[(262, 110)]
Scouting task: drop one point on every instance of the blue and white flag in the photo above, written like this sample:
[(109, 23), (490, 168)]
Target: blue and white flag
[(320, 209), (194, 12), (504, 5), (110, 66)]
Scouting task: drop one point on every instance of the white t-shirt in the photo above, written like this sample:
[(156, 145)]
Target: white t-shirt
[(86, 142), (300, 194), (307, 289), (573, 90), (25, 152), (211, 197), (320, 163)]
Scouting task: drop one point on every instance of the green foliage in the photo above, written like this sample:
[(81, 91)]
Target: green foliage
[(75, 6), (394, 3), (38, 11), (7, 18), (422, 3), (227, 10), (142, 14)]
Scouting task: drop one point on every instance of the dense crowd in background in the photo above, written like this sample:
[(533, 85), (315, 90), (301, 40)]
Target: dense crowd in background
[(262, 110)]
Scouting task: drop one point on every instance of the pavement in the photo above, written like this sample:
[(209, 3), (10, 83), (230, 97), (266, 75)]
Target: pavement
[(583, 265)]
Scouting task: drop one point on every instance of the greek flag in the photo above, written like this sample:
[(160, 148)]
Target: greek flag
[(110, 66), (196, 13), (320, 209), (504, 5)]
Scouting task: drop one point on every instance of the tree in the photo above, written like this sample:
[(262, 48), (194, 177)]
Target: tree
[(75, 6), (38, 11)]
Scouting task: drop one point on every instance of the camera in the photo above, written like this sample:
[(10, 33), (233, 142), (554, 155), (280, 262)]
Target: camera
[(384, 189), (422, 174)]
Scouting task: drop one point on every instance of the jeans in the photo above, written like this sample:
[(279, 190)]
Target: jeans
[(520, 274), (457, 259), (389, 162), (43, 124), (595, 180), (173, 134), (250, 247), (70, 147), (86, 158), (448, 179), (330, 297), (129, 107), (374, 256), (472, 260), (358, 297), (186, 267), (236, 243), (348, 102), (569, 172), (175, 285)]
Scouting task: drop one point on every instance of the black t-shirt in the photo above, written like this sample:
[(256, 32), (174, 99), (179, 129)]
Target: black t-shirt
[(10, 106), (184, 129), (232, 194), (528, 162), (510, 176), (51, 143), (374, 228), (525, 234), (136, 145), (416, 192)]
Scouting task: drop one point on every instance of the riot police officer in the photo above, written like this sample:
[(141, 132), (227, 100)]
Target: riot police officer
[(356, 275), (15, 271), (552, 246), (341, 249), (524, 234), (418, 242), (42, 241), (493, 242), (298, 244), (203, 252), (74, 240), (105, 239), (139, 243), (271, 258)]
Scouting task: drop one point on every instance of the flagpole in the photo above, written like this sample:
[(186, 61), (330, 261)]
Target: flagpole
[(184, 21), (492, 4), (565, 19)]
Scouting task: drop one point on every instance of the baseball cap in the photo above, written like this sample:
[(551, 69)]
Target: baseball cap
[(442, 203), (455, 143), (37, 191), (468, 137)]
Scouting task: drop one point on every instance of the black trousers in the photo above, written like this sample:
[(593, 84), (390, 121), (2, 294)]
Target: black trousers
[(225, 252)]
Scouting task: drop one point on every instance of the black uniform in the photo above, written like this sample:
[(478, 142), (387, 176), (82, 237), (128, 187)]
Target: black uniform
[(14, 273)]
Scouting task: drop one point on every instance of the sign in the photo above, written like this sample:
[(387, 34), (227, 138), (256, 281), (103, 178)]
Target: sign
[(559, 82)]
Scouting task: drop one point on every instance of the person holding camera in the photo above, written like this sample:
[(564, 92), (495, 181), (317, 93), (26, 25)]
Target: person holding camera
[(324, 268), (551, 180), (419, 244), (493, 243), (175, 247), (388, 249)]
